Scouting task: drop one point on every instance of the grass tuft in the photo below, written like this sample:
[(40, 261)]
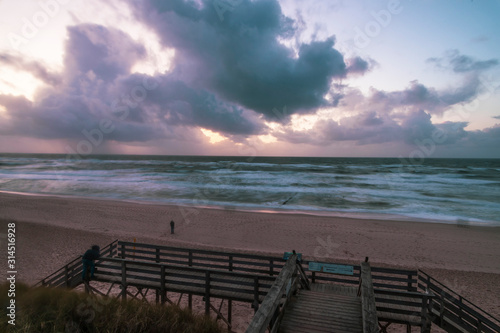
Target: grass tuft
[(60, 310)]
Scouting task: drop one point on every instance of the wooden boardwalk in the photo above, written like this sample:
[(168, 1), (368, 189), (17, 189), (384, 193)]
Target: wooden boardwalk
[(324, 308), (287, 295)]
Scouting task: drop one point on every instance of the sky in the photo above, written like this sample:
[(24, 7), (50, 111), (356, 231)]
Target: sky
[(387, 78)]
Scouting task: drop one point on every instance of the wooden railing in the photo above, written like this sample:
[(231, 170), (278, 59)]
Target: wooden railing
[(70, 274), (455, 313), (272, 309), (184, 279), (387, 278), (237, 262), (368, 306), (404, 307)]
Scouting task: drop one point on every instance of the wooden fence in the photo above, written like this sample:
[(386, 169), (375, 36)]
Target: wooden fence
[(455, 313), (237, 262), (162, 277), (70, 275)]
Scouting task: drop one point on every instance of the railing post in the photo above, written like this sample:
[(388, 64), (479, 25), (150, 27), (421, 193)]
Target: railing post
[(229, 311), (460, 311), (368, 305), (157, 255), (207, 293), (256, 293), (66, 278), (271, 264), (409, 282), (423, 314), (230, 263), (123, 251), (162, 284), (124, 280), (190, 263), (313, 278)]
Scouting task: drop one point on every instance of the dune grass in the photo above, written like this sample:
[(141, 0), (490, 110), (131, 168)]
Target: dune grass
[(60, 310)]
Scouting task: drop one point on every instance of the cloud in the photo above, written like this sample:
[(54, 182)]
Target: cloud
[(236, 53), (460, 63), (360, 66), (104, 52), (496, 117), (372, 128), (98, 87), (35, 68)]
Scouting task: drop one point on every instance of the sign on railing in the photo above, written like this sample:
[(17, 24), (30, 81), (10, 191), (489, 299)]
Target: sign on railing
[(287, 255), (331, 268)]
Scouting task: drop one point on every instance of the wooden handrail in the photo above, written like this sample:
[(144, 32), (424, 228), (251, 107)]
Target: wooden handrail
[(73, 263), (267, 309), (185, 268), (369, 308), (451, 296)]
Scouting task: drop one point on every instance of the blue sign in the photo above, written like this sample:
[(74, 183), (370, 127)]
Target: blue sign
[(287, 255), (331, 268), (314, 266)]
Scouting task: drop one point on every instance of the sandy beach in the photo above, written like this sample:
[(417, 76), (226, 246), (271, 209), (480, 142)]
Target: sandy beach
[(52, 230)]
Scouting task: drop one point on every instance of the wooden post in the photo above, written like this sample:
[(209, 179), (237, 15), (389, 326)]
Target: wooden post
[(162, 284), (460, 311), (271, 302), (190, 296), (256, 294), (271, 264), (230, 263), (409, 282), (207, 293), (123, 251), (124, 280), (133, 257), (157, 255), (229, 311), (313, 279), (368, 306), (66, 278), (425, 325)]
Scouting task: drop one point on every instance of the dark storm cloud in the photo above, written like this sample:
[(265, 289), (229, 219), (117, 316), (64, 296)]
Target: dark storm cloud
[(236, 52), (461, 63), (98, 87), (37, 69), (177, 104)]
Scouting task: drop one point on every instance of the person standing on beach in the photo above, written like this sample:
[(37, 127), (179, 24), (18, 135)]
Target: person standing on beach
[(172, 225), (88, 261)]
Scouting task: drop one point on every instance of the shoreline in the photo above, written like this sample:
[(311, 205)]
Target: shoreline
[(320, 213)]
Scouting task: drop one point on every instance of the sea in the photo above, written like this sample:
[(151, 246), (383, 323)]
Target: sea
[(462, 191)]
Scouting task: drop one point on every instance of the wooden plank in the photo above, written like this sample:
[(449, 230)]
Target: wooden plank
[(370, 321)]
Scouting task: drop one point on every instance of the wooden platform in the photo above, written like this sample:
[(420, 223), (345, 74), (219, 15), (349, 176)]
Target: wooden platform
[(324, 308)]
